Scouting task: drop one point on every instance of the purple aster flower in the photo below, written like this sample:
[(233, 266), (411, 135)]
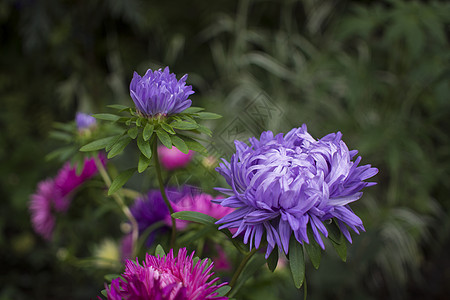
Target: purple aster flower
[(166, 278), (160, 93), (42, 217), (281, 184), (84, 121)]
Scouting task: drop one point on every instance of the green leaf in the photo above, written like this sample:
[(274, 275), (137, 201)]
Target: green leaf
[(195, 217), (164, 138), (118, 106), (204, 129), (167, 128), (223, 290), (180, 144), (144, 146), (148, 131), (208, 116), (63, 153), (250, 269), (192, 110), (160, 251), (340, 248), (113, 142), (313, 249), (106, 117), (133, 132), (120, 180), (334, 233), (104, 293), (110, 277), (183, 125), (272, 260), (98, 144), (296, 262), (193, 144), (144, 162), (62, 136), (118, 147)]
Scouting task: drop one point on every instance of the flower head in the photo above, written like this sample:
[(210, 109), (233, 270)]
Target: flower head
[(41, 204), (173, 158), (160, 93), (166, 278), (84, 121), (281, 184)]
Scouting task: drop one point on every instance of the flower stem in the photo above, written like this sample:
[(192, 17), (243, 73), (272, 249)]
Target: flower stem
[(241, 267), (134, 225), (163, 191)]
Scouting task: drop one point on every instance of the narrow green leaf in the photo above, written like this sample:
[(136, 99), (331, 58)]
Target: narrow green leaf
[(193, 144), (192, 110), (110, 277), (180, 144), (118, 106), (167, 128), (204, 129), (144, 162), (222, 291), (118, 147), (341, 248), (144, 146), (104, 293), (313, 249), (97, 145), (296, 262), (272, 260), (334, 233), (195, 217), (208, 116), (62, 136), (106, 117), (253, 266), (113, 142), (148, 131), (164, 138), (63, 153), (120, 180), (183, 125), (133, 132), (159, 251)]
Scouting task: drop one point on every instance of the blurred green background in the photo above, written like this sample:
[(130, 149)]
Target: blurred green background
[(378, 71)]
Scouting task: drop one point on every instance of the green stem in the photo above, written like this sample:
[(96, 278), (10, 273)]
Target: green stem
[(163, 191), (241, 267), (305, 287), (134, 225)]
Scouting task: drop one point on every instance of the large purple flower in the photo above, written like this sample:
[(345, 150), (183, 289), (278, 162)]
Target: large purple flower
[(166, 278), (280, 184), (160, 93)]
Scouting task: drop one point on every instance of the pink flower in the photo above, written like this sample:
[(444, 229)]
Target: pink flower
[(173, 158), (42, 218), (166, 278)]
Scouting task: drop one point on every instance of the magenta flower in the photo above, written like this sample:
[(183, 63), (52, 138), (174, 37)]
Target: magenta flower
[(160, 93), (173, 158), (54, 196), (166, 278), (280, 185)]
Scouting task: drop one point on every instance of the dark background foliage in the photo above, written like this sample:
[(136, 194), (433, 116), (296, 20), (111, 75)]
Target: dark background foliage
[(378, 71)]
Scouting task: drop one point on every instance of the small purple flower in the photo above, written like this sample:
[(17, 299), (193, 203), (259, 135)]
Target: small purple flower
[(160, 93), (173, 158), (84, 121), (283, 184), (166, 278)]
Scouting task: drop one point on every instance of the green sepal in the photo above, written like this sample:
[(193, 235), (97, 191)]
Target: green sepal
[(180, 144), (223, 290), (207, 116), (164, 138), (120, 180), (192, 109), (144, 162), (144, 147), (272, 260), (184, 125), (104, 293), (118, 147), (167, 128), (97, 144), (296, 262), (148, 131), (313, 249), (160, 251), (132, 132), (106, 117)]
